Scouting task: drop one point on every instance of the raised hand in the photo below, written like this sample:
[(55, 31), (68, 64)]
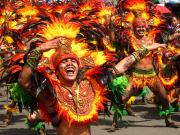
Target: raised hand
[(154, 46), (53, 44)]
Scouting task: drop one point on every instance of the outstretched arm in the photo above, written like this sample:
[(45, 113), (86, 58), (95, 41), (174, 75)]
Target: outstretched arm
[(124, 64), (127, 62), (174, 36)]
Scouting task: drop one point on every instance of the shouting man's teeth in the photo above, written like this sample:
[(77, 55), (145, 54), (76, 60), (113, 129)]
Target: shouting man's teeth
[(70, 71)]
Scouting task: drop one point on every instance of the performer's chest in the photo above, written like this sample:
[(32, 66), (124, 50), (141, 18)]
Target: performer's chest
[(77, 99)]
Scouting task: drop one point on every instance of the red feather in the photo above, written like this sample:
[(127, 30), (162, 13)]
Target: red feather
[(17, 57)]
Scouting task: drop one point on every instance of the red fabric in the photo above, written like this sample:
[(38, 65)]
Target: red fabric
[(59, 55), (139, 21), (163, 10)]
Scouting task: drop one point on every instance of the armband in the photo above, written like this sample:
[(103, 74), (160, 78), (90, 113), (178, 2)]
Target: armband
[(33, 58), (139, 54)]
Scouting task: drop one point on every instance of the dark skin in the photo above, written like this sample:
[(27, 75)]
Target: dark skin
[(26, 82), (176, 33), (174, 41), (146, 64), (122, 66)]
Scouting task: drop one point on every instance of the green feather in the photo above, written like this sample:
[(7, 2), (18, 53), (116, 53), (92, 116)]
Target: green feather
[(117, 112), (124, 112), (144, 92), (36, 126), (20, 96), (155, 1), (165, 112), (118, 87)]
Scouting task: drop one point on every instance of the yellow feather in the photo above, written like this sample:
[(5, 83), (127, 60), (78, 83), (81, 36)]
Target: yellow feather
[(2, 19), (80, 49), (99, 57), (13, 25), (59, 28), (145, 15), (106, 11), (131, 100), (8, 39), (48, 53), (28, 11), (138, 6)]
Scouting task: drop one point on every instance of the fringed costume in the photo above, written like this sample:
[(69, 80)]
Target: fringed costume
[(141, 78), (38, 37)]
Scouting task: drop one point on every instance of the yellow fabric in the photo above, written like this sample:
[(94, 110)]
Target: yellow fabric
[(141, 80), (144, 75), (131, 100), (10, 109)]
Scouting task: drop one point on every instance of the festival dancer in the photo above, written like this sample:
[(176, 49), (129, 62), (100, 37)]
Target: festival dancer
[(18, 97), (143, 72), (174, 47), (56, 99), (175, 30), (12, 50), (6, 55), (72, 99)]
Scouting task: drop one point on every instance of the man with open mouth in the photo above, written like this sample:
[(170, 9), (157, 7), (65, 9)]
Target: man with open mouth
[(70, 102), (143, 72)]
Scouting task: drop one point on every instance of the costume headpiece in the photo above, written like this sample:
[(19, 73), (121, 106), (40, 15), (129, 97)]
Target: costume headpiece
[(64, 52), (69, 45), (139, 21)]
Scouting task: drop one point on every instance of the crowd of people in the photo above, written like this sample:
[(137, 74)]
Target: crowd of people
[(66, 61)]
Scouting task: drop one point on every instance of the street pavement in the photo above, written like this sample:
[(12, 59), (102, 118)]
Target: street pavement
[(148, 123)]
